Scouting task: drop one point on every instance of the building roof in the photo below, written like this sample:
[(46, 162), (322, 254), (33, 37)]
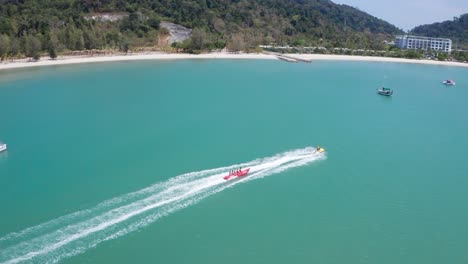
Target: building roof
[(421, 37)]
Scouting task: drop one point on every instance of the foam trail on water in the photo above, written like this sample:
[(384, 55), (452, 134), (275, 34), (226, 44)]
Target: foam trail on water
[(75, 233), (111, 203)]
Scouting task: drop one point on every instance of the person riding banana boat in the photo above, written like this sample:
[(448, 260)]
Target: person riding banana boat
[(319, 149), (235, 172)]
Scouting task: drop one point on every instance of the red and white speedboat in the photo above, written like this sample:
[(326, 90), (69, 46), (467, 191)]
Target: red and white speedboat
[(241, 173)]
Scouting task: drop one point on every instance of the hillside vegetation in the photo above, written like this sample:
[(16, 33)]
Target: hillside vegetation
[(28, 27), (457, 30)]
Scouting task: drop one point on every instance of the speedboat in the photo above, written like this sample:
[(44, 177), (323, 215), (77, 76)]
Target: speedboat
[(3, 146), (385, 91), (449, 82), (241, 173)]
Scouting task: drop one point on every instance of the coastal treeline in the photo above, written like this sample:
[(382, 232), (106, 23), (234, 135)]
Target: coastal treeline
[(31, 27), (456, 29), (282, 22)]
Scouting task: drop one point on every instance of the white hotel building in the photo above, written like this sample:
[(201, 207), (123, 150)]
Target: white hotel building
[(425, 43)]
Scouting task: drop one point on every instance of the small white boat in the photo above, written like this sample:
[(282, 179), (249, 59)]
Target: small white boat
[(449, 82), (3, 146), (385, 91)]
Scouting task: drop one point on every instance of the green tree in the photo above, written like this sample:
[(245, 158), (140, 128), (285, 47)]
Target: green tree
[(4, 46), (237, 43), (218, 25), (89, 40), (442, 56), (219, 44), (33, 47), (14, 46), (52, 52), (79, 40), (185, 45), (153, 22), (6, 26), (412, 54), (300, 42), (124, 46), (460, 55), (199, 39)]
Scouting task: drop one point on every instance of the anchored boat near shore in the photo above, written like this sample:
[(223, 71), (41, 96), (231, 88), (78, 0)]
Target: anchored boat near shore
[(385, 91), (449, 82), (3, 146)]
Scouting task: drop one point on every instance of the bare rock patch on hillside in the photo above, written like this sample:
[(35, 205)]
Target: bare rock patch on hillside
[(178, 33)]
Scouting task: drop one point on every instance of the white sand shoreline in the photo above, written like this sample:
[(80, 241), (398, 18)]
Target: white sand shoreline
[(45, 61), (377, 59), (62, 60)]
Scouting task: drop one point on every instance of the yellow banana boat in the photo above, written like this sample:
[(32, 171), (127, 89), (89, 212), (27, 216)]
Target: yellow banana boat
[(319, 149)]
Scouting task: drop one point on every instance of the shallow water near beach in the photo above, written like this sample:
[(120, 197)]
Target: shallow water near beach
[(123, 162)]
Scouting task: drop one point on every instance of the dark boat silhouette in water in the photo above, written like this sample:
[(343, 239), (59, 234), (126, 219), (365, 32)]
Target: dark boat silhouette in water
[(449, 82)]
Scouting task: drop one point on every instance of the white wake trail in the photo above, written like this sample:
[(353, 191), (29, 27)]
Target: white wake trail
[(75, 233)]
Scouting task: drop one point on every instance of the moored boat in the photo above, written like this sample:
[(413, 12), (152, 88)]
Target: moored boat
[(3, 146), (385, 91), (449, 82)]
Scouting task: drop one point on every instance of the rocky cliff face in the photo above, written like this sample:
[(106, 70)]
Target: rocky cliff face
[(178, 32)]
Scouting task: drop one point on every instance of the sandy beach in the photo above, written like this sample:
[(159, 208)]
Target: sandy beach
[(376, 59), (61, 60)]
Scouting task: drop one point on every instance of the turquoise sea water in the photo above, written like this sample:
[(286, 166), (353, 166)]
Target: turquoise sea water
[(392, 187)]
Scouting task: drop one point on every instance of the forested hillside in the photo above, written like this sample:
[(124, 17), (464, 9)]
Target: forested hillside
[(28, 27), (457, 30)]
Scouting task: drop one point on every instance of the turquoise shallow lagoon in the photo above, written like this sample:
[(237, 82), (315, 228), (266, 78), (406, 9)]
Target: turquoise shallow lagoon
[(392, 187)]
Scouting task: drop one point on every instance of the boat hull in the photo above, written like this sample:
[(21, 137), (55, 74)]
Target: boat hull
[(242, 173), (386, 93)]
